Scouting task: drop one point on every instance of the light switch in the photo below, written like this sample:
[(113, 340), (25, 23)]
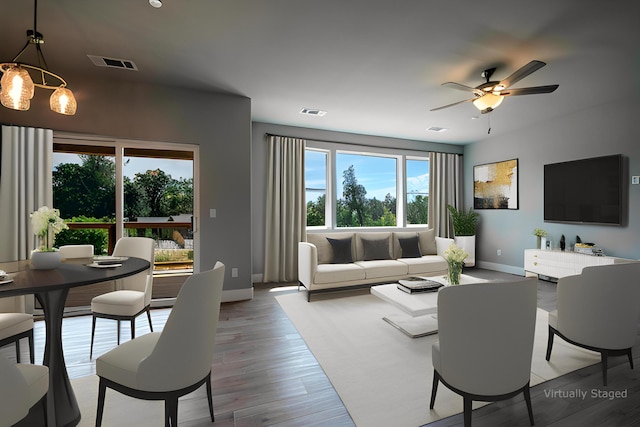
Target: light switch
[(212, 213), (635, 179)]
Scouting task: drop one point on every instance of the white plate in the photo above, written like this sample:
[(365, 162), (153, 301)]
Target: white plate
[(94, 265)]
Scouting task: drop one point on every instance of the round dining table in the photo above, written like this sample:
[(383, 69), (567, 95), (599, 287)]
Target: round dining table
[(50, 288)]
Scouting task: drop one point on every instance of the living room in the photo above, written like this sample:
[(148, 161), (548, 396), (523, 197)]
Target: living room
[(592, 113)]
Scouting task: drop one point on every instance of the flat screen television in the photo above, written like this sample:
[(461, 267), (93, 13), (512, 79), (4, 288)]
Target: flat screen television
[(586, 191)]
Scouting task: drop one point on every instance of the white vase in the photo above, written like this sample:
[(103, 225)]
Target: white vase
[(468, 243), (45, 260)]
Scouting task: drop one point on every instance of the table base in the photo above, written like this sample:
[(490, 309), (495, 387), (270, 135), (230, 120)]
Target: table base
[(414, 327)]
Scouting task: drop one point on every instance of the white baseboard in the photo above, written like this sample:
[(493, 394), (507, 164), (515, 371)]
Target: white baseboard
[(519, 271), (237, 294), (256, 278)]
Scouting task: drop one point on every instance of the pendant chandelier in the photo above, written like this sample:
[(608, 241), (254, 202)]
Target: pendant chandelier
[(19, 79)]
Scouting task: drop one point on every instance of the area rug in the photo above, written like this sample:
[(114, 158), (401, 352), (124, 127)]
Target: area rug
[(383, 376)]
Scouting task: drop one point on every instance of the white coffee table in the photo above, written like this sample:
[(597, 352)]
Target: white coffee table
[(421, 308)]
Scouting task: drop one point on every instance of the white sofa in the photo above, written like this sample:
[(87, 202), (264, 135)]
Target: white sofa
[(320, 269)]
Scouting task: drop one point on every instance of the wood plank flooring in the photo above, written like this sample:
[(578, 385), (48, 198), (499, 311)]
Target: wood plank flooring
[(264, 374)]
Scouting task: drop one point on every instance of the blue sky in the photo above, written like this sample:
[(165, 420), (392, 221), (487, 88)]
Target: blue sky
[(176, 168), (377, 174)]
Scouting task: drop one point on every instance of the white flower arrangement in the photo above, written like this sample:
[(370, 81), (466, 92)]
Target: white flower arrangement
[(455, 254), (44, 221)]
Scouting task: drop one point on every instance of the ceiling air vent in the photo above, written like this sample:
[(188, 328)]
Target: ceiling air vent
[(437, 129), (313, 112), (103, 61)]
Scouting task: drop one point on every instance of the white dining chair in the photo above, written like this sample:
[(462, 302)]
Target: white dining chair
[(76, 251), (132, 296), (15, 324), (169, 364), (21, 388)]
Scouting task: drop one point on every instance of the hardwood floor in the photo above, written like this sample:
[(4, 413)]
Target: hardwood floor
[(264, 374)]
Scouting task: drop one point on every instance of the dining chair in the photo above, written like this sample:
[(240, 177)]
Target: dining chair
[(169, 364), (76, 251), (21, 388), (132, 296), (598, 310), (15, 324), (485, 346)]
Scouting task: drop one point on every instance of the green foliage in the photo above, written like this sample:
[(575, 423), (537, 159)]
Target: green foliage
[(354, 195), (464, 223), (315, 212), (418, 210), (97, 237)]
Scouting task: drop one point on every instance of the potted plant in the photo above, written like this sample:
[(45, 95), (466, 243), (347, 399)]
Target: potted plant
[(46, 224), (464, 229), (540, 234)]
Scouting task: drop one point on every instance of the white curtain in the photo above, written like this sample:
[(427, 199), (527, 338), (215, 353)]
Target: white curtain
[(25, 185), (286, 208), (445, 188)]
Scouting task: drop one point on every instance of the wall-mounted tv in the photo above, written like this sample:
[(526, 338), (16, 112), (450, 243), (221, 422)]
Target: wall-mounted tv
[(587, 191)]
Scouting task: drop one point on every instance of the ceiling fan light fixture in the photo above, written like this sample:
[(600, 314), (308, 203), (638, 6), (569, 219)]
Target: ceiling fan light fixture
[(17, 87), (62, 101), (488, 102)]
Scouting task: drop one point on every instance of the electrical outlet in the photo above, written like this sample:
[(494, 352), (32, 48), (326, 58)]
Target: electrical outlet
[(212, 213), (499, 252), (234, 272), (635, 179)]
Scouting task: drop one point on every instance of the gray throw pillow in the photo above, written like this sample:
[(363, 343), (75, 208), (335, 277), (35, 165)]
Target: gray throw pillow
[(341, 250), (376, 249), (410, 247)]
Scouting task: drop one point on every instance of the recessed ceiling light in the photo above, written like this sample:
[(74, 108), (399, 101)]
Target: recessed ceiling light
[(155, 3), (437, 129), (313, 112)]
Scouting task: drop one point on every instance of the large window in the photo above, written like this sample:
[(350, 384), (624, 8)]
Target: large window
[(380, 188)]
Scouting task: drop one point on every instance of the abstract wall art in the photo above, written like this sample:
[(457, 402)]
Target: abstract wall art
[(495, 185)]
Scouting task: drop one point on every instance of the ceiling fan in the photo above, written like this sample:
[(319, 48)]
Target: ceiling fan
[(490, 94)]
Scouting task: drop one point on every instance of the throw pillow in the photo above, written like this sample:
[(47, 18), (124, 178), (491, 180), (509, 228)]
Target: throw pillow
[(428, 242), (376, 249), (341, 250), (410, 247)]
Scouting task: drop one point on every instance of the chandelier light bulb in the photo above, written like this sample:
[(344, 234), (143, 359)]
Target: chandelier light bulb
[(17, 88), (62, 101)]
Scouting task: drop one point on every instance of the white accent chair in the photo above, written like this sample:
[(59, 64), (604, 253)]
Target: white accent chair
[(76, 251), (598, 310), (21, 388), (169, 364), (132, 296), (485, 346), (15, 324)]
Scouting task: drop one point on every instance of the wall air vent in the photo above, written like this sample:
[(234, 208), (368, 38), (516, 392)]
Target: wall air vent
[(437, 129), (313, 112), (103, 61)]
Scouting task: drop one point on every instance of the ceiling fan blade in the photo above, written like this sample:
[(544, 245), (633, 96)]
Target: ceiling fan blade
[(522, 73), (451, 105), (465, 88), (529, 90)]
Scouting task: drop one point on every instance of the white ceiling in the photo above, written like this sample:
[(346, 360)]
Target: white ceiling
[(376, 66)]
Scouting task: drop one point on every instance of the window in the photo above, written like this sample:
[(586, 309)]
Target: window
[(417, 190), (315, 176), (381, 188), (366, 190)]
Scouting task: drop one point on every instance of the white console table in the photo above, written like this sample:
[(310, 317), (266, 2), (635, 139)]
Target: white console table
[(555, 264)]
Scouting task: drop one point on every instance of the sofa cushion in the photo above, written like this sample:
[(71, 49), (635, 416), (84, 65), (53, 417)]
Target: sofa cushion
[(325, 253), (428, 242), (383, 268), (410, 247), (336, 273), (372, 235), (341, 250), (427, 265), (376, 249)]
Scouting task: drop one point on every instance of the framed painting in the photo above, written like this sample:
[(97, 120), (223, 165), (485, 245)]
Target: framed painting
[(495, 185)]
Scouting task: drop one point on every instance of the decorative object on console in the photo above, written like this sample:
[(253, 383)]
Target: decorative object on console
[(495, 185), (539, 233), (46, 223), (455, 257), (562, 243)]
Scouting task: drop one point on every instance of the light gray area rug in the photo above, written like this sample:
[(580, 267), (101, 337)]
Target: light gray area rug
[(383, 376)]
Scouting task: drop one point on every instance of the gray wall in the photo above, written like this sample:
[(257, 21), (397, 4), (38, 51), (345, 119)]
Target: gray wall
[(598, 131), (219, 124), (259, 167)]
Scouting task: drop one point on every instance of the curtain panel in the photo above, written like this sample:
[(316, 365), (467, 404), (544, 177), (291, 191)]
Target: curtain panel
[(25, 185), (286, 221), (445, 188)]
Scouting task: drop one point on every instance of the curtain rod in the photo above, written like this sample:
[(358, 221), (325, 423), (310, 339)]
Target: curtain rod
[(359, 144)]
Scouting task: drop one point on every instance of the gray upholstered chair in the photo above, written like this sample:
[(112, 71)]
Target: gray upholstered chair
[(485, 346), (15, 324), (76, 251), (21, 388), (598, 310), (132, 296), (169, 364)]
